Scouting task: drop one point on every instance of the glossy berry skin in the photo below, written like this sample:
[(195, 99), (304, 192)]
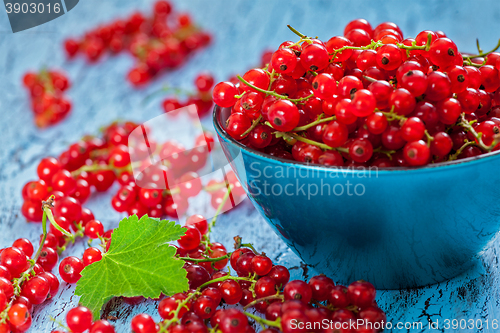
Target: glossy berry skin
[(298, 290), (261, 136), (261, 265), (442, 52), (223, 94), (361, 150), (438, 86), (25, 245), (361, 293), (94, 229), (68, 208), (143, 323), (199, 222), (413, 129), (449, 110), (364, 103), (197, 275), (91, 255), (441, 145), (47, 168), (280, 275), (256, 77), (204, 307), (48, 258), (102, 326), (18, 314), (314, 57), (469, 100), (233, 321), (389, 57), (324, 86), (231, 291), (170, 304), (415, 82), (191, 238), (416, 153), (237, 254), (376, 123), (64, 182), (70, 268), (36, 290), (14, 260), (284, 61), (283, 115), (79, 319), (339, 297), (335, 134), (265, 286), (237, 124), (402, 101), (53, 282), (320, 287)]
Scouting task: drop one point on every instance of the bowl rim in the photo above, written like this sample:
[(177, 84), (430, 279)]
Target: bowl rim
[(429, 167)]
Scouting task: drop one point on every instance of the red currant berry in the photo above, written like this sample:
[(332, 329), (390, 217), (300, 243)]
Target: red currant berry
[(70, 268), (79, 319), (143, 323)]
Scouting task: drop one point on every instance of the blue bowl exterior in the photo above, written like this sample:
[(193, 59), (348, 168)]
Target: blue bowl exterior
[(411, 227)]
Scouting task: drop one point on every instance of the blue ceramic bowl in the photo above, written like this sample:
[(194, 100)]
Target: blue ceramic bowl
[(397, 228)]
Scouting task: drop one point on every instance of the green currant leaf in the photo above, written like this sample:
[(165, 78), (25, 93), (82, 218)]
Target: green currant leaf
[(140, 262)]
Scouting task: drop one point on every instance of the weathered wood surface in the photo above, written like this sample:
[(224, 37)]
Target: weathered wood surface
[(242, 29)]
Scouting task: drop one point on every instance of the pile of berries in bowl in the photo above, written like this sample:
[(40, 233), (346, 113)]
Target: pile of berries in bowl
[(372, 156), (369, 97)]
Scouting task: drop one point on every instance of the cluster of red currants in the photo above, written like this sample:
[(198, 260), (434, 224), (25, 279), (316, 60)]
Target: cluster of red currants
[(161, 41), (368, 98), (47, 100), (204, 83), (79, 320), (287, 306), (23, 284)]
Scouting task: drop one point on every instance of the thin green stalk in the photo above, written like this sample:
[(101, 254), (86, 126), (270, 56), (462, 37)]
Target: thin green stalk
[(314, 123), (483, 54), (272, 93)]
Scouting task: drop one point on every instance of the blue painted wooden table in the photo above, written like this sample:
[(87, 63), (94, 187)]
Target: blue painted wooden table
[(242, 30)]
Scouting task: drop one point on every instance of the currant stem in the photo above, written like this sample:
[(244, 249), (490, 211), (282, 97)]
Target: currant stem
[(227, 256), (295, 31), (429, 137), (314, 123), (224, 278), (468, 126), (176, 312), (460, 150), (263, 321), (281, 297), (254, 124), (93, 167), (219, 209), (311, 142), (272, 93), (482, 54), (250, 246), (17, 282), (388, 153)]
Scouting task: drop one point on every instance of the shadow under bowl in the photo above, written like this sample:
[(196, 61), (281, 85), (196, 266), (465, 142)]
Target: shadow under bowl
[(397, 228)]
